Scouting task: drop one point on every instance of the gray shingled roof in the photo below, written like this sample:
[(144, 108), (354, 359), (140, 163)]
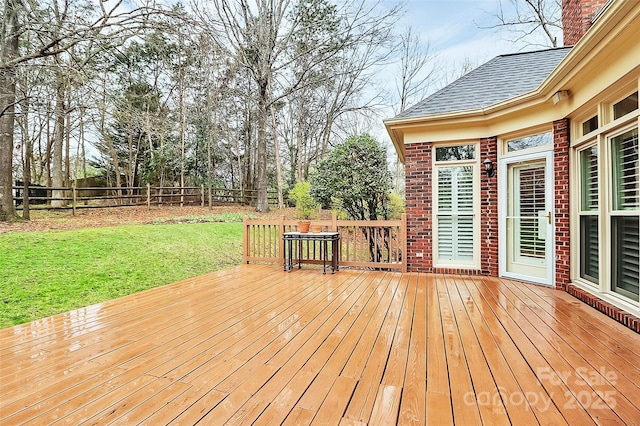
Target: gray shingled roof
[(502, 78)]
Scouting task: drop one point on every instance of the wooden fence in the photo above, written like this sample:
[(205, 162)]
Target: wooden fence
[(103, 197), (380, 244)]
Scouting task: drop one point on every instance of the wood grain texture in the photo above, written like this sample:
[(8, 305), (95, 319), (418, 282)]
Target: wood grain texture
[(255, 345)]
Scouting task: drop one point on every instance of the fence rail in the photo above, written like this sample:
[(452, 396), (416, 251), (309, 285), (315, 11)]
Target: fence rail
[(380, 244), (104, 197)]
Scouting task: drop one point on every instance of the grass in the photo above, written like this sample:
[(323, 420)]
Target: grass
[(46, 273), (222, 217)]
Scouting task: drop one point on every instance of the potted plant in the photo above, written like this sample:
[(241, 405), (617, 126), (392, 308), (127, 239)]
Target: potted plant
[(307, 206)]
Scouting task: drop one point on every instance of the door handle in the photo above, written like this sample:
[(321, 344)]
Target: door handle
[(549, 218)]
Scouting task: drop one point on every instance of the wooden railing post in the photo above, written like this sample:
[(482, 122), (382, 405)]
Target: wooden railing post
[(245, 239), (403, 242), (334, 223), (281, 241)]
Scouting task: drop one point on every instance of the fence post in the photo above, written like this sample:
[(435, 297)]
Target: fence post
[(148, 196), (403, 242), (201, 195), (73, 198)]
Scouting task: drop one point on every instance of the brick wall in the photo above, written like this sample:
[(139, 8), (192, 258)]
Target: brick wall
[(606, 308), (419, 204), (489, 208), (576, 18), (418, 175), (561, 214)]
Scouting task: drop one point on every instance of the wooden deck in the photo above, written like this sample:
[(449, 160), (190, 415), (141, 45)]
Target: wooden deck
[(255, 345)]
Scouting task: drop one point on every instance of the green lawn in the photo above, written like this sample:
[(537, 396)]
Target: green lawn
[(45, 273)]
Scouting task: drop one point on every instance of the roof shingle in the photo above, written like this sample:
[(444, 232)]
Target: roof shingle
[(502, 78)]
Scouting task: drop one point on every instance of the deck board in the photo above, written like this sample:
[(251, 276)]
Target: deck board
[(563, 360), (509, 369), (465, 408), (255, 345), (413, 403), (485, 386), (438, 399)]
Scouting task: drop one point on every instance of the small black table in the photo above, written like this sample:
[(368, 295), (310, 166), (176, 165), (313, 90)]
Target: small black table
[(324, 237)]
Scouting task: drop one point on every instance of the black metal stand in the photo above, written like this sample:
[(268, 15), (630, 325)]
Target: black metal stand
[(323, 237)]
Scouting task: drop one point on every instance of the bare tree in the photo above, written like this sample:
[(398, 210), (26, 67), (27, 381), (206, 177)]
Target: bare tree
[(265, 38), (532, 22), (53, 29), (254, 32), (417, 68)]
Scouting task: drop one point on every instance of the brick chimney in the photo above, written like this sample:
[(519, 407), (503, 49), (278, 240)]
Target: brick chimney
[(576, 18)]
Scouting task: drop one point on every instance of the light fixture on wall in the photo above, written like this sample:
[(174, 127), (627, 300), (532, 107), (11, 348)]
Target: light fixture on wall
[(560, 96), (488, 167)]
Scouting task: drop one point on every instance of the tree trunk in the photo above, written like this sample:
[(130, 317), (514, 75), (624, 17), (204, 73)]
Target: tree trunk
[(210, 167), (58, 144), (67, 141), (129, 176), (48, 155), (107, 138), (9, 49), (262, 204), (83, 153), (27, 145), (7, 99), (300, 142), (276, 147), (182, 142)]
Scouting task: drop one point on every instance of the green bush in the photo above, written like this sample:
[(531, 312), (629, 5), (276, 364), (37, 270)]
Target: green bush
[(307, 206), (354, 178), (395, 206)]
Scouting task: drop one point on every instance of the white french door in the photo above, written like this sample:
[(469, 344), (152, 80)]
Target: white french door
[(526, 217)]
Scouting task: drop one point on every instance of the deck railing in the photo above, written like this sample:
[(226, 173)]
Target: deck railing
[(379, 244)]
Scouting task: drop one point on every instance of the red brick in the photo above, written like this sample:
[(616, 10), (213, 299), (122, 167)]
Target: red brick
[(561, 212), (625, 318), (576, 18)]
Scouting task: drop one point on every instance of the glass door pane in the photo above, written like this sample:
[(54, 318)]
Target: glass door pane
[(526, 220), (529, 211)]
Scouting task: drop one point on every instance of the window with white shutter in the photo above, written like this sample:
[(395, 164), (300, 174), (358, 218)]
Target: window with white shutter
[(589, 215), (605, 199), (455, 205), (625, 235)]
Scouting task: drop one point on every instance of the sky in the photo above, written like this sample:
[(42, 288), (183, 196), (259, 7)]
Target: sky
[(454, 28), (457, 31)]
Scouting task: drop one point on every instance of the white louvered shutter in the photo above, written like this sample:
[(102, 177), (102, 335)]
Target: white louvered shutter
[(455, 213)]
